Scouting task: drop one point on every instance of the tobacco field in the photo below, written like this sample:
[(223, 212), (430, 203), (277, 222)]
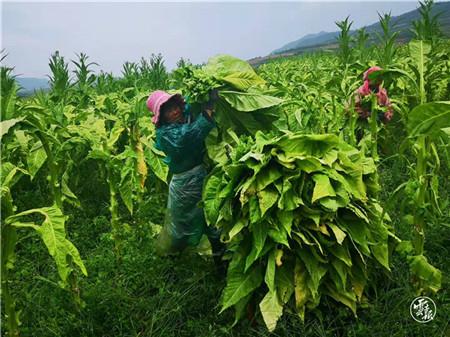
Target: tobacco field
[(334, 206)]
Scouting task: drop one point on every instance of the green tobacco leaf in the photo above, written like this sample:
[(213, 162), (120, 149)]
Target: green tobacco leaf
[(286, 219), (284, 281), (359, 212), (267, 176), (429, 275), (345, 297), (299, 146), (270, 271), (53, 234), (240, 284), (315, 270), (357, 231), (9, 97), (99, 154), (428, 119), (338, 233), (8, 124), (446, 131), (212, 204), (271, 310), (259, 235), (226, 65), (93, 129), (279, 235), (127, 182), (358, 280), (404, 248), (381, 253), (322, 187), (241, 122), (289, 199), (238, 226), (309, 165), (359, 188), (23, 139), (342, 253), (217, 150), (368, 166), (36, 158), (114, 134), (259, 232), (313, 214), (254, 209), (388, 76), (419, 51), (156, 164), (10, 174), (342, 270), (331, 204), (65, 189), (267, 198), (247, 102), (240, 309), (243, 80)]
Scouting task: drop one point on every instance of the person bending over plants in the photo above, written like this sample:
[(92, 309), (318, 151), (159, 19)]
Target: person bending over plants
[(363, 104), (182, 141)]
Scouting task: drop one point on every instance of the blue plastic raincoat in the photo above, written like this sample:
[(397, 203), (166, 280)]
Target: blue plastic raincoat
[(184, 146)]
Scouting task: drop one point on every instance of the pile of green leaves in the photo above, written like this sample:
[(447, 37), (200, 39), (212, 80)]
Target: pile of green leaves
[(245, 103), (302, 221)]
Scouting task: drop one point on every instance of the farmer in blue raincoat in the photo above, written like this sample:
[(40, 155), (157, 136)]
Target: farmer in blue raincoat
[(182, 141)]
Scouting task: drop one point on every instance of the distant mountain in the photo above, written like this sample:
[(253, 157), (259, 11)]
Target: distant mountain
[(307, 41), (402, 24), (28, 85)]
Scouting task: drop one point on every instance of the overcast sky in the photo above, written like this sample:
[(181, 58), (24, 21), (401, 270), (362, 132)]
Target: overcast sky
[(111, 33)]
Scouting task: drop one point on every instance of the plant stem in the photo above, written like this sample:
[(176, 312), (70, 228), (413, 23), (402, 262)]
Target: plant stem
[(53, 167), (114, 210), (8, 240), (419, 213)]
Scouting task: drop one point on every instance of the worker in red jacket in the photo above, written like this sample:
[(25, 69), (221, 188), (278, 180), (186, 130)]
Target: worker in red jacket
[(363, 106)]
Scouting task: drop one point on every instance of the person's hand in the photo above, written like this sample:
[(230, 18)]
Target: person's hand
[(209, 112), (213, 98), (214, 95)]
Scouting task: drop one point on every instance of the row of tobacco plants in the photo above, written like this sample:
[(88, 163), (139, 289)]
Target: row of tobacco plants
[(294, 180)]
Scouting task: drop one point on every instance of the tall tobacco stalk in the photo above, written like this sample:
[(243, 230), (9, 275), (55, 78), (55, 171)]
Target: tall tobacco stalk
[(374, 128), (387, 39), (427, 28), (345, 41), (8, 240), (426, 123)]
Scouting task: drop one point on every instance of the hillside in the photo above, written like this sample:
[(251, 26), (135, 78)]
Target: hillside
[(327, 40), (29, 84)]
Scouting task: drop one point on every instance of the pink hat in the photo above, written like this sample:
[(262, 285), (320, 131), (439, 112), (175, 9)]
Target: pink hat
[(157, 99), (370, 71)]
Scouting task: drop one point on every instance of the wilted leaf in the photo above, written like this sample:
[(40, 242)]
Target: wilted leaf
[(271, 310)]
